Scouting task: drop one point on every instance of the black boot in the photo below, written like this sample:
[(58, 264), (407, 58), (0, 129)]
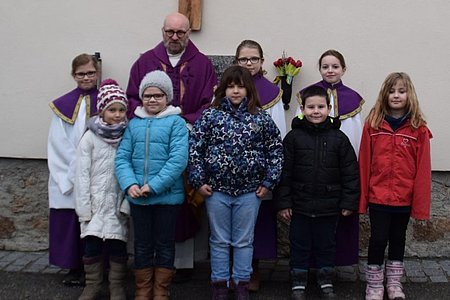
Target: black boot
[(241, 291), (299, 280), (325, 278), (219, 290)]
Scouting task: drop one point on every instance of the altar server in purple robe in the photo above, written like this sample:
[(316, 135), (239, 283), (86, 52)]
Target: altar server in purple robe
[(194, 79), (347, 104), (71, 112), (249, 54)]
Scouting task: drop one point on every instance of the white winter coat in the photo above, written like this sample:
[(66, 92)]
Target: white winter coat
[(99, 202)]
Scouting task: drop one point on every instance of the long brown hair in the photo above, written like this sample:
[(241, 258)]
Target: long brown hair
[(238, 75), (381, 107)]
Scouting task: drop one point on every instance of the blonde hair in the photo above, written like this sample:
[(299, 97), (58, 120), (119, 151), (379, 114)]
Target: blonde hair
[(381, 107)]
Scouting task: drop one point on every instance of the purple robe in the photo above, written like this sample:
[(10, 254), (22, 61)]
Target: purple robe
[(269, 93), (265, 237), (348, 103), (65, 246), (193, 79), (66, 107)]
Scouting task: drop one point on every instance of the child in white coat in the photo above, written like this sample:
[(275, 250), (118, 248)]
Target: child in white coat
[(100, 205)]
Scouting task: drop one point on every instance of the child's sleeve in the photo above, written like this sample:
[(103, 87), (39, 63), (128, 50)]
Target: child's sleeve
[(123, 161), (177, 162), (283, 195), (274, 150), (422, 185), (83, 178), (198, 144), (365, 160), (349, 174)]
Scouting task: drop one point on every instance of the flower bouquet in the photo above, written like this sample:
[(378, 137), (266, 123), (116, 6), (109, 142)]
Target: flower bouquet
[(287, 69)]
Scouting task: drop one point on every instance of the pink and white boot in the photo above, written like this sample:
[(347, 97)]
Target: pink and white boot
[(394, 273), (374, 279)]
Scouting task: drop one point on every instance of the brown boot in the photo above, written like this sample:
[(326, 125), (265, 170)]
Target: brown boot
[(163, 278), (253, 285), (143, 279), (117, 274), (94, 276)]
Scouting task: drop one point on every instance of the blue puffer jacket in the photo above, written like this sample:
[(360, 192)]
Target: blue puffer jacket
[(235, 151), (154, 150)]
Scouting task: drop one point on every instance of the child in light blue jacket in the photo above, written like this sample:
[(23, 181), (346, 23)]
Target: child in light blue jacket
[(149, 165)]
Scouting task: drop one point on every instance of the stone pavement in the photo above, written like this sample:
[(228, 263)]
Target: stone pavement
[(417, 270)]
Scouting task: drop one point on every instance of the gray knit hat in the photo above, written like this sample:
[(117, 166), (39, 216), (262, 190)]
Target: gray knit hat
[(157, 79)]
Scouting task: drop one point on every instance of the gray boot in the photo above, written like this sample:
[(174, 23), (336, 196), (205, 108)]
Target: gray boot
[(117, 276), (299, 279), (93, 268), (325, 277)]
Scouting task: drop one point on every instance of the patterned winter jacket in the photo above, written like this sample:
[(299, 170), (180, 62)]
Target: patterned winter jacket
[(235, 151)]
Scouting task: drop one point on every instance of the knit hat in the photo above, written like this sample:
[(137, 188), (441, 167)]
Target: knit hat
[(109, 93), (157, 79)]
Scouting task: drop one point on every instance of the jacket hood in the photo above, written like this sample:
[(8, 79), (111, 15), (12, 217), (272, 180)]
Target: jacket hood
[(170, 110), (300, 121)]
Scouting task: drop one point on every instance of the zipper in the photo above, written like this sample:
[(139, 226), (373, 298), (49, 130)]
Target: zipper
[(147, 140)]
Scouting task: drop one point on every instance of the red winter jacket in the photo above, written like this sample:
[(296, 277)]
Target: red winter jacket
[(395, 168)]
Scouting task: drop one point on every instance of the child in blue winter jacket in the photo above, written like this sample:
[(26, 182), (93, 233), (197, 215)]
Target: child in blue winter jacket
[(235, 159), (149, 165)]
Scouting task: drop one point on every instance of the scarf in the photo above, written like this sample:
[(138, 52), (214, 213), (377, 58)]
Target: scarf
[(111, 134)]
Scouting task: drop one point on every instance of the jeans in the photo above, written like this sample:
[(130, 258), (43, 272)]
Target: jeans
[(95, 246), (384, 227), (232, 223), (312, 239), (154, 235)]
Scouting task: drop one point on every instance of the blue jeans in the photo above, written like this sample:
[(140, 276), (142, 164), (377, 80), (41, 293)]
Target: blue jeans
[(232, 222), (154, 235)]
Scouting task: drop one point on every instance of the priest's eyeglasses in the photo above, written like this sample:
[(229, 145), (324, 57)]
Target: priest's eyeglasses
[(245, 60), (179, 33), (80, 75)]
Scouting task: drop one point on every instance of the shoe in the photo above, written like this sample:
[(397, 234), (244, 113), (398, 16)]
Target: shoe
[(299, 280), (183, 275), (374, 279), (253, 285), (219, 290), (75, 277), (327, 292), (163, 279), (394, 273), (241, 291), (94, 278)]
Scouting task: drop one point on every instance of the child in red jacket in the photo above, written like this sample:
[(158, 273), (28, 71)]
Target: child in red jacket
[(395, 170)]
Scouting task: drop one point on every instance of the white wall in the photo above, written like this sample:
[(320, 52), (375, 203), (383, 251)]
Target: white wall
[(40, 38)]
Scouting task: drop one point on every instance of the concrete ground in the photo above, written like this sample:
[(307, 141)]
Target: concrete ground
[(27, 275)]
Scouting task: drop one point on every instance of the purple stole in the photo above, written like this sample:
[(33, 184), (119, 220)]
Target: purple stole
[(269, 93), (67, 106), (347, 102)]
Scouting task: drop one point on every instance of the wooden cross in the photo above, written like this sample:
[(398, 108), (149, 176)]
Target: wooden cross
[(193, 10)]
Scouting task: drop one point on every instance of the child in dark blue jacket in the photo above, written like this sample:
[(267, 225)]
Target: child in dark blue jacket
[(235, 159), (319, 181)]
